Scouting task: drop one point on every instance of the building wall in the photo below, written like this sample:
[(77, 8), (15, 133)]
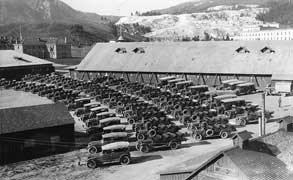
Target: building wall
[(80, 52), (282, 34), (18, 72), (36, 143), (63, 50), (37, 50)]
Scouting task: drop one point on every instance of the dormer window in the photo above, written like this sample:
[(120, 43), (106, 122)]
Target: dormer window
[(242, 50), (121, 50), (267, 50), (139, 50)]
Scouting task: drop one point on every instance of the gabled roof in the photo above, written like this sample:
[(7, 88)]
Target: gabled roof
[(191, 57), (258, 166), (244, 135), (255, 165), (11, 58), (23, 111)]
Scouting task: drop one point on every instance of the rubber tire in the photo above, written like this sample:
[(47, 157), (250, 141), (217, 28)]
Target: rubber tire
[(209, 134), (124, 160), (198, 137), (173, 145), (131, 121), (92, 150), (224, 135), (140, 137), (152, 133), (144, 149), (91, 164)]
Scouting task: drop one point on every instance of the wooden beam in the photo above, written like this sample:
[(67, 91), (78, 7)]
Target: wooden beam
[(127, 76), (256, 80), (157, 79), (204, 81), (215, 82), (82, 76), (152, 76), (185, 76), (137, 75), (141, 76)]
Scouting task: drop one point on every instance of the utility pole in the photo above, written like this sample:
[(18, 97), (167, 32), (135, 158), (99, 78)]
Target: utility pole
[(262, 119), (263, 114)]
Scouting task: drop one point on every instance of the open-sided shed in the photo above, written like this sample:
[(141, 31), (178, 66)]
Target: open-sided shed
[(203, 62)]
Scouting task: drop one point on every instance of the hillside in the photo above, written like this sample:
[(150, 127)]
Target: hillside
[(217, 22), (279, 12), (196, 6), (53, 18)]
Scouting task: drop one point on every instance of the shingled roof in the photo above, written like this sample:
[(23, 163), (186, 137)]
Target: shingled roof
[(212, 57), (21, 111), (11, 58), (258, 166), (255, 165)]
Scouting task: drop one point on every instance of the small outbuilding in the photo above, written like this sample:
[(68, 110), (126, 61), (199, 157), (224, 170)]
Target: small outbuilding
[(283, 82), (32, 126)]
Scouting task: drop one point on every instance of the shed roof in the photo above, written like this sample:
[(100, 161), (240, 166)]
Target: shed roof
[(191, 57), (24, 112), (10, 58)]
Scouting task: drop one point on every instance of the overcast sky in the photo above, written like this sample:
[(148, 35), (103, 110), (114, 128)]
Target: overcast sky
[(120, 7)]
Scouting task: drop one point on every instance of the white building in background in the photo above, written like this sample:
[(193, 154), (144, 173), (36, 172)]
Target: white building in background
[(277, 34)]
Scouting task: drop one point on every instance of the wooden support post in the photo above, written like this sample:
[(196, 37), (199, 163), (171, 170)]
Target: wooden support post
[(263, 114), (198, 79), (152, 76), (141, 76), (204, 81), (137, 75), (185, 76), (127, 76), (157, 79), (82, 76), (215, 82), (256, 80), (220, 79)]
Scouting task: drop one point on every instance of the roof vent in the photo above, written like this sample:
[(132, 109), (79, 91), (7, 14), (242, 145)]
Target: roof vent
[(121, 50), (139, 50), (242, 50), (21, 59), (267, 50)]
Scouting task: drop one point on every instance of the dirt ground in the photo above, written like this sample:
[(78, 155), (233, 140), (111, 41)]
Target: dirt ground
[(143, 166)]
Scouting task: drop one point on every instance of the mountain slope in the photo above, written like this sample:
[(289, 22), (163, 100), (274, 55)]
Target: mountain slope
[(216, 22), (46, 15), (196, 6)]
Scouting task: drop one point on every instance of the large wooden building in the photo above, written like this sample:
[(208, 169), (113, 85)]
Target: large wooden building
[(203, 62), (14, 65), (32, 126)]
